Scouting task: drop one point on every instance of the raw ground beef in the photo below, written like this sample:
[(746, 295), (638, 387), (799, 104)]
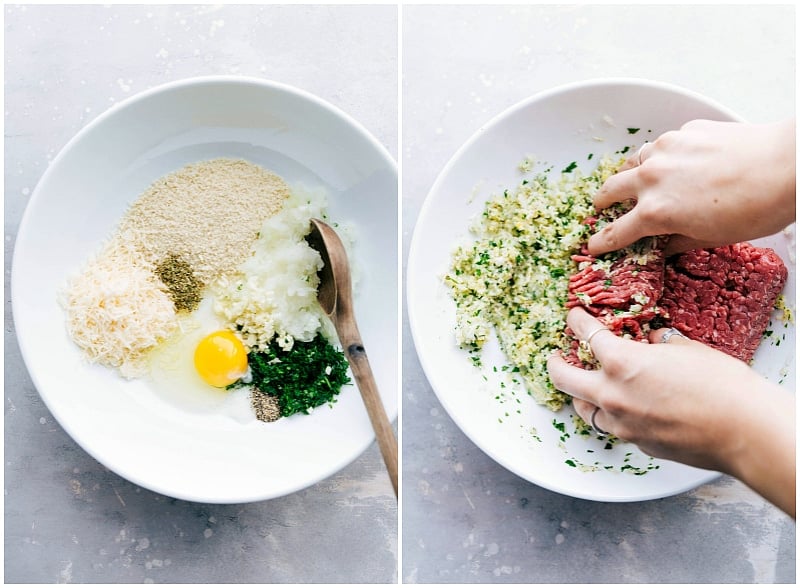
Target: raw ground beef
[(621, 288), (723, 297), (622, 293)]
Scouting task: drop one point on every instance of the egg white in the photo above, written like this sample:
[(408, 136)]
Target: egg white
[(175, 379)]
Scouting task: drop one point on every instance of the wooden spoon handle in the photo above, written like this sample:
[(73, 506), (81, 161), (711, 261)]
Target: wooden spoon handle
[(359, 364)]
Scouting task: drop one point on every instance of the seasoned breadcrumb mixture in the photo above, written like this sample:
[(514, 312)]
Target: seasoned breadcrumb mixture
[(207, 213), (513, 277)]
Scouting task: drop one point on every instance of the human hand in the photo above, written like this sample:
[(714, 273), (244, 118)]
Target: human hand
[(686, 402), (708, 184)]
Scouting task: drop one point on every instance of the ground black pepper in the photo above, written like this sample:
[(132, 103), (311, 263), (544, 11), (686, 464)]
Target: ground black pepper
[(265, 406)]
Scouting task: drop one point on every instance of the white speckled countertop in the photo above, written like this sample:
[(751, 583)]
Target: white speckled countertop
[(67, 518), (464, 518)]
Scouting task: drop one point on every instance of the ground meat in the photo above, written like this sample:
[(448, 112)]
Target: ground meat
[(628, 287), (723, 297), (621, 289)]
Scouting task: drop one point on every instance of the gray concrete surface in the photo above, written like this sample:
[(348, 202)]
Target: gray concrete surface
[(465, 519), (67, 518)]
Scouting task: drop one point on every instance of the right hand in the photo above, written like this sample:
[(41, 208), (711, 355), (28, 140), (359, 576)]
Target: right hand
[(708, 184)]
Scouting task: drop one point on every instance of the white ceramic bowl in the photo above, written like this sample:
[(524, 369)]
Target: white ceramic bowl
[(558, 127), (79, 201)]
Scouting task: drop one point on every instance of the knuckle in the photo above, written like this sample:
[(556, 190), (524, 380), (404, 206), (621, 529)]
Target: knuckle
[(609, 236), (615, 367), (696, 124), (653, 171), (608, 187), (668, 139), (650, 211), (656, 215), (626, 433)]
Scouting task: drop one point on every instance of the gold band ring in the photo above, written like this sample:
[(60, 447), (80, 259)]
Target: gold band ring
[(587, 343)]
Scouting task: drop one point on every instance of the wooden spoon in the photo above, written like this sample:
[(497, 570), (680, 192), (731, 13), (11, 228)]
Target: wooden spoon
[(335, 298)]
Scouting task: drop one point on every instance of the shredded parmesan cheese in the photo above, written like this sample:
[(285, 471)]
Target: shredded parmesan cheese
[(117, 309)]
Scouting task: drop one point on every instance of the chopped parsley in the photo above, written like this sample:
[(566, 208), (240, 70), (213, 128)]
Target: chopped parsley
[(306, 376)]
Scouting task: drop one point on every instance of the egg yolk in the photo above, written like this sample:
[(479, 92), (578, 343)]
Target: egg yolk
[(220, 359)]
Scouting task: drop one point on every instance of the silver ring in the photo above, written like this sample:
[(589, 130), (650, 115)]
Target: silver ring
[(639, 153), (594, 424), (587, 343), (670, 333)]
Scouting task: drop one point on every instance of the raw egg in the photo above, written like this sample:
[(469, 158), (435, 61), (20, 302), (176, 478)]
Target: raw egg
[(220, 359), (174, 377)]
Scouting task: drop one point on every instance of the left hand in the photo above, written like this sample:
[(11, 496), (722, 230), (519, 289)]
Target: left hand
[(681, 400)]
